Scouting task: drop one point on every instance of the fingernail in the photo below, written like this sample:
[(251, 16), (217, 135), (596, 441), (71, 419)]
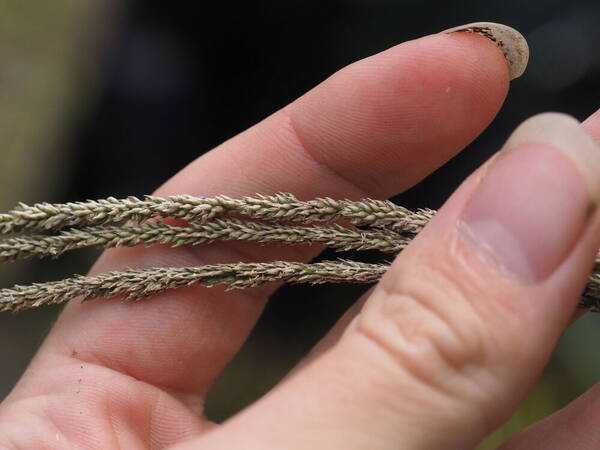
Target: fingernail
[(510, 41), (536, 197)]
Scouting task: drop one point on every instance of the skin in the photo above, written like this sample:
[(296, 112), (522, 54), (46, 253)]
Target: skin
[(373, 129)]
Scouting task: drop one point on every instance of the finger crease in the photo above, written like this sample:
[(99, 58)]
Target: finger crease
[(325, 166)]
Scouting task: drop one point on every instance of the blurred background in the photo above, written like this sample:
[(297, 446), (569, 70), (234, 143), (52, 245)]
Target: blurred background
[(109, 97)]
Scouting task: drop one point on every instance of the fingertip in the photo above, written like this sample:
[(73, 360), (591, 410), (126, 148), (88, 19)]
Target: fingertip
[(513, 45), (566, 134), (418, 103)]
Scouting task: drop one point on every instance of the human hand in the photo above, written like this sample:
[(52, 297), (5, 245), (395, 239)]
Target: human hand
[(437, 355)]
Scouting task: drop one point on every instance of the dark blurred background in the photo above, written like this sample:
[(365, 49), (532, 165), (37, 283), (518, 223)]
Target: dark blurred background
[(113, 97)]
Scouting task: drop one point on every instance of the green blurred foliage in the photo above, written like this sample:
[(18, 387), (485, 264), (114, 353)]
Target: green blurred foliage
[(46, 54)]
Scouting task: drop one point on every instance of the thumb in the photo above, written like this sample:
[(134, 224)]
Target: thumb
[(464, 321)]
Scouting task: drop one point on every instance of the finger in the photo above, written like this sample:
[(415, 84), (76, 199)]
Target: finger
[(591, 124), (574, 426), (373, 129), (462, 324)]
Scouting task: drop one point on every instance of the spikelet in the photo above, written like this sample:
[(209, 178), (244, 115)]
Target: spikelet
[(333, 236), (137, 284), (280, 207)]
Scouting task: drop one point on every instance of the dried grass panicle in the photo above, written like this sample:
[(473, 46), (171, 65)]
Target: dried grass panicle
[(384, 226), (136, 284), (333, 236), (279, 207)]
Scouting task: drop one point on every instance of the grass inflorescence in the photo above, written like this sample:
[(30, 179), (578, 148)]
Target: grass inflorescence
[(49, 230)]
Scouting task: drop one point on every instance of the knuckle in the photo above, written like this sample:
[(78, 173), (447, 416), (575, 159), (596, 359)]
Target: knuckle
[(424, 320)]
